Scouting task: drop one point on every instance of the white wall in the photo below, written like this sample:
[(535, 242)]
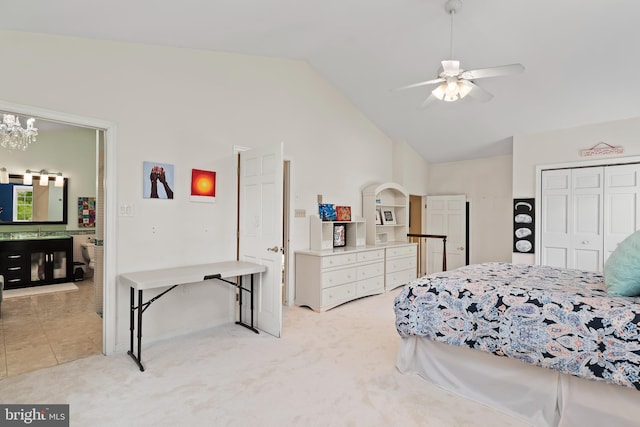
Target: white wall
[(409, 169), (564, 146), (487, 185), (188, 108)]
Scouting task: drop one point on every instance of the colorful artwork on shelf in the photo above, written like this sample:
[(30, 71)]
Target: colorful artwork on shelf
[(86, 212), (203, 186), (339, 235), (327, 212), (343, 213)]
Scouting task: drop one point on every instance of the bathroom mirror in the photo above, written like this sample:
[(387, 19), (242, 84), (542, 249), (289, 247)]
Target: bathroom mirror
[(33, 204)]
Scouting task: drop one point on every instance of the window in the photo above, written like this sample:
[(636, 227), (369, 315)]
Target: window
[(22, 203)]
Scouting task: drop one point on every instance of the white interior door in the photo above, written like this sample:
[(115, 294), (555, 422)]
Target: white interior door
[(446, 215), (260, 229)]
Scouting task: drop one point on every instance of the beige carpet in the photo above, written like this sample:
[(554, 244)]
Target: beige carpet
[(328, 369), (39, 290)]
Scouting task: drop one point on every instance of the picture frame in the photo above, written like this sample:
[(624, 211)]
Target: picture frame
[(327, 212), (203, 186), (157, 180), (388, 216), (339, 235), (343, 213), (378, 217)]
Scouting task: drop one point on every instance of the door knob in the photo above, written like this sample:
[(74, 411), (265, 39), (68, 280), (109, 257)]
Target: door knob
[(584, 242), (461, 248), (274, 249)]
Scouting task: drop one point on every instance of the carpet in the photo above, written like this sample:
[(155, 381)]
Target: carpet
[(39, 290), (336, 368)]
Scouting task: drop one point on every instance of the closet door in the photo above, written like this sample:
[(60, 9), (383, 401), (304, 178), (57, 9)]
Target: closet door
[(587, 219), (555, 215), (572, 219), (622, 204)]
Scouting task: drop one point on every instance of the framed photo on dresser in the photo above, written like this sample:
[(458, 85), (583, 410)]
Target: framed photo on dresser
[(388, 216), (339, 235)]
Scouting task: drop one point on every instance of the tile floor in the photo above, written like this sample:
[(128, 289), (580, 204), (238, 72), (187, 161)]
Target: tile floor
[(41, 331)]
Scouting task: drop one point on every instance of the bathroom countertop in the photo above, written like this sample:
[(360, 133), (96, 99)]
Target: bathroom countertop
[(27, 235)]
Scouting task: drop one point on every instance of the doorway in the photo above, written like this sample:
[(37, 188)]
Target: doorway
[(105, 178)]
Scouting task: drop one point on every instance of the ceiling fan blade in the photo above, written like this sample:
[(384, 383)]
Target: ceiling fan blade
[(477, 92), (427, 101), (503, 70), (450, 67), (425, 83)]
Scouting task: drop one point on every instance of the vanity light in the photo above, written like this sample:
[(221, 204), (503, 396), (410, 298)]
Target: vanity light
[(27, 180), (44, 178), (4, 176), (59, 180)]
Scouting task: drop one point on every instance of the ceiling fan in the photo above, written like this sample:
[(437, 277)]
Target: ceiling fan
[(455, 83)]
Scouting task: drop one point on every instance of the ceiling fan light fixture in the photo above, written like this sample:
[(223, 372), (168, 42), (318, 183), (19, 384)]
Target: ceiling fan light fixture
[(464, 89), (440, 91)]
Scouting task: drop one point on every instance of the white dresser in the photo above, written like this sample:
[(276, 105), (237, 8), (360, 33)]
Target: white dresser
[(401, 264), (325, 279)]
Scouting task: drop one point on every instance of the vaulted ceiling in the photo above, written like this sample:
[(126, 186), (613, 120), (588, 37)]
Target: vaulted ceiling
[(581, 56)]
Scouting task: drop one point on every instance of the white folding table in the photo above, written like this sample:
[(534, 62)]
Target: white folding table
[(172, 277)]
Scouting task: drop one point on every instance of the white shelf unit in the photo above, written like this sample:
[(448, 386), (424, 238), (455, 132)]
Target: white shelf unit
[(388, 196), (321, 233)]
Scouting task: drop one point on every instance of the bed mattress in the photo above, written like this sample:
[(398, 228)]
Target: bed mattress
[(549, 317)]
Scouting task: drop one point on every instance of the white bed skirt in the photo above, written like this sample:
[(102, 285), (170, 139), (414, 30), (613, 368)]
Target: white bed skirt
[(539, 396)]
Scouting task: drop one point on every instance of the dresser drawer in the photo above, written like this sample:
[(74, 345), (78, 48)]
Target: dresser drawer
[(401, 251), (337, 260), (393, 280), (370, 270), (338, 294), (398, 264), (370, 255), (338, 277), (370, 286)]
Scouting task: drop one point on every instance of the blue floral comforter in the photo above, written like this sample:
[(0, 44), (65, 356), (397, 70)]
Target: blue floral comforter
[(550, 317)]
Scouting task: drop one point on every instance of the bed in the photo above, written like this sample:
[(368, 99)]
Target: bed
[(547, 345)]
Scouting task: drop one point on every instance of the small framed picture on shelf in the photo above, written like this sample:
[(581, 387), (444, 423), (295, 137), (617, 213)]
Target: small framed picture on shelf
[(327, 211), (378, 217), (388, 216), (339, 235), (343, 213)]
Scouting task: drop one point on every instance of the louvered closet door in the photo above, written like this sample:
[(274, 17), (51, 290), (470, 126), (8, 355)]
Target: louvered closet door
[(622, 204), (587, 237)]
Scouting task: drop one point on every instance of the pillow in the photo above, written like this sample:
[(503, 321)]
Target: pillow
[(622, 269)]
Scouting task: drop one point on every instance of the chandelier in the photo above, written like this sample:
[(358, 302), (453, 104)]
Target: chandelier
[(13, 136)]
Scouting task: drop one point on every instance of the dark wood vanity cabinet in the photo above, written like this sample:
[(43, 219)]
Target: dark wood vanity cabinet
[(35, 262)]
